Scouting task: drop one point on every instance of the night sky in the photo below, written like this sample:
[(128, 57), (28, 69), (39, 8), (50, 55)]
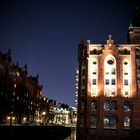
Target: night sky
[(44, 34)]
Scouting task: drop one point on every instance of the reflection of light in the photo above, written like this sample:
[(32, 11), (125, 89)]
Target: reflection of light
[(24, 119), (8, 118), (15, 85), (17, 73), (13, 118), (44, 113)]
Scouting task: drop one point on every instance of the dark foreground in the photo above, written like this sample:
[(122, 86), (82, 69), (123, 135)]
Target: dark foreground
[(45, 132)]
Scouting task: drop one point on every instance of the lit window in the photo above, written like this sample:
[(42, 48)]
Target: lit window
[(107, 72), (113, 92), (93, 92), (107, 105), (110, 105), (107, 92), (126, 122), (110, 46), (93, 121), (110, 122), (126, 93), (127, 106)]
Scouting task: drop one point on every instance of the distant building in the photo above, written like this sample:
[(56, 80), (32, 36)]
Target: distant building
[(109, 88), (20, 94), (62, 114)]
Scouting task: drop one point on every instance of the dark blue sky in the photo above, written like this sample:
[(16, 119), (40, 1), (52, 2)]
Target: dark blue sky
[(45, 36)]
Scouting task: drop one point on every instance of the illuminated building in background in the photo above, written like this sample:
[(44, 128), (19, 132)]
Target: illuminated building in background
[(109, 88)]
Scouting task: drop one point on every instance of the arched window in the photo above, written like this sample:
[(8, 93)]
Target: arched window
[(110, 76), (126, 52)]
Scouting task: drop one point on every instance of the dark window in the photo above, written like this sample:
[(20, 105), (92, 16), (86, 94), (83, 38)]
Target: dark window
[(94, 81), (127, 106), (83, 92), (125, 82), (93, 121), (93, 105), (94, 72), (110, 61), (83, 72), (125, 63), (94, 51), (82, 104), (81, 120), (126, 52), (125, 73), (83, 82), (113, 81), (107, 81)]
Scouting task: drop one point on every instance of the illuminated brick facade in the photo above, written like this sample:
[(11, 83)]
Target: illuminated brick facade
[(109, 88)]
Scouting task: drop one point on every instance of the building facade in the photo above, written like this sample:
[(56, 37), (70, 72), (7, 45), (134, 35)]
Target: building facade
[(109, 88), (20, 94)]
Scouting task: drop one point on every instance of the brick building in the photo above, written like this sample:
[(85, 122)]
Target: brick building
[(109, 87), (20, 94)]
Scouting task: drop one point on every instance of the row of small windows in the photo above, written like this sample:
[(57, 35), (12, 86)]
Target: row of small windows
[(123, 52), (109, 105), (108, 81), (113, 71), (95, 52), (108, 92), (110, 122), (110, 61)]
